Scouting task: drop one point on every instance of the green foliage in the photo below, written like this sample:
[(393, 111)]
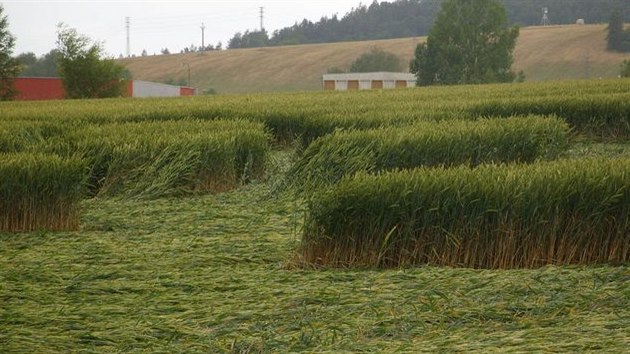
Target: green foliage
[(401, 18), (9, 66), (40, 191), (469, 43), (335, 70), (625, 68), (376, 60), (562, 212), (45, 66), (249, 39), (413, 18), (27, 59), (210, 91), (85, 73), (618, 38), (447, 143)]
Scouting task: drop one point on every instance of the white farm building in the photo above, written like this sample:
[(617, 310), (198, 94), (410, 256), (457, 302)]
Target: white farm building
[(368, 81)]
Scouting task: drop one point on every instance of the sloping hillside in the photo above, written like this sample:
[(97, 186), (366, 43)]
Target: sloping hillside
[(543, 53)]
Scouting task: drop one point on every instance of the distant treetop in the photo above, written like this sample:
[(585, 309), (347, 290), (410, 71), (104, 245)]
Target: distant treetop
[(409, 18)]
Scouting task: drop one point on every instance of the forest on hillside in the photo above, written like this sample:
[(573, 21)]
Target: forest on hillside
[(410, 18)]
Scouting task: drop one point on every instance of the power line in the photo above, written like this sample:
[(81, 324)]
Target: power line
[(156, 25), (187, 18), (161, 26)]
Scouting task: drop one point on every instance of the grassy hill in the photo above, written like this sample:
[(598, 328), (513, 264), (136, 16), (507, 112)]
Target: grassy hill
[(543, 53)]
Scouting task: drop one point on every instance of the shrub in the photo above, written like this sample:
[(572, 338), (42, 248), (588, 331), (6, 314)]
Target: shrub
[(376, 60)]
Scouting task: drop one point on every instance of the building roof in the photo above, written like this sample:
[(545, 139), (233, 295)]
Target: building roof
[(381, 75)]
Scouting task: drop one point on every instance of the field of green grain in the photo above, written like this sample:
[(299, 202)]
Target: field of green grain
[(169, 267)]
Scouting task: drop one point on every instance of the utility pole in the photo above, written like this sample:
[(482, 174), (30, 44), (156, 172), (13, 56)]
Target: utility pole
[(128, 44), (262, 17), (545, 18), (188, 66), (203, 43)]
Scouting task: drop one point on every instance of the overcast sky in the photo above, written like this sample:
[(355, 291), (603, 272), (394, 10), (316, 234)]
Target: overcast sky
[(156, 24)]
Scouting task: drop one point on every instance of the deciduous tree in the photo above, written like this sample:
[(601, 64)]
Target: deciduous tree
[(376, 60), (253, 39), (618, 38), (469, 43), (9, 66), (86, 73), (46, 66), (615, 30)]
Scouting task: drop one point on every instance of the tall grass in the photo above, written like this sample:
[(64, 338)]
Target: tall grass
[(601, 104), (151, 158), (168, 158), (40, 191), (445, 143), (604, 115), (26, 135), (563, 212)]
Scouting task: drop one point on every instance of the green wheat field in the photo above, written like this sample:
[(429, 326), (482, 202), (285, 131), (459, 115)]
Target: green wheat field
[(300, 222)]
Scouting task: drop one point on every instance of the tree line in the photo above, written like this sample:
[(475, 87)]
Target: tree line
[(409, 18), (618, 37)]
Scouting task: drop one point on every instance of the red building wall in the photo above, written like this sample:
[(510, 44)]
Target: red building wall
[(39, 88), (129, 92), (186, 91), (51, 88)]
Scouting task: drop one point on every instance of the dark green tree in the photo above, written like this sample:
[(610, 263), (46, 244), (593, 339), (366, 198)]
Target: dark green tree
[(376, 60), (615, 30), (86, 73), (254, 39), (625, 68), (9, 66), (470, 43), (409, 18), (46, 66), (27, 59)]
